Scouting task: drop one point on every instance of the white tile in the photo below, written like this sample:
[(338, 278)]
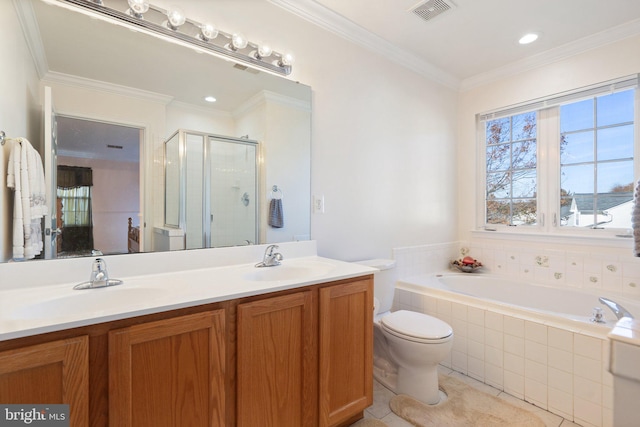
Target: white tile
[(459, 361), (535, 351), (560, 402), (514, 364), (475, 349), (494, 375), (513, 326), (494, 338), (607, 397), (562, 360), (459, 311), (587, 390), (535, 392), (493, 321), (475, 368), (514, 345), (460, 344), (560, 380), (459, 327), (494, 356), (535, 371), (475, 331), (514, 384), (535, 332), (587, 368), (586, 412), (587, 346), (475, 316), (444, 307)]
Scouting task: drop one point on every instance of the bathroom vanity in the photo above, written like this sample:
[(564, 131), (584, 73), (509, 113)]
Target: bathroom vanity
[(288, 352)]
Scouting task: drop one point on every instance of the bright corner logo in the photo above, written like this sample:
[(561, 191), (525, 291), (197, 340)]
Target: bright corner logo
[(36, 415)]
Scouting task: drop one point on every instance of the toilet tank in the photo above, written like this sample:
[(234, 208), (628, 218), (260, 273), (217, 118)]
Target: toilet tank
[(384, 281)]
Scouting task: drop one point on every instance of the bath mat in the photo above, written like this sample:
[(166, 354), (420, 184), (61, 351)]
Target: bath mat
[(465, 406), (368, 422)]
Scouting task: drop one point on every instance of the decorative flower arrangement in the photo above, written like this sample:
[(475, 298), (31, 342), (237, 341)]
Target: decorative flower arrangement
[(467, 264)]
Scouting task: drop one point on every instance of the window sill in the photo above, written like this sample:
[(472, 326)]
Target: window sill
[(535, 236)]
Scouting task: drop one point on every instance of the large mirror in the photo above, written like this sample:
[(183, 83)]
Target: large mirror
[(118, 95)]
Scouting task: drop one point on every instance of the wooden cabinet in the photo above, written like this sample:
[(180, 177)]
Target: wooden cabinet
[(55, 372), (299, 357), (168, 373), (277, 361), (346, 351)]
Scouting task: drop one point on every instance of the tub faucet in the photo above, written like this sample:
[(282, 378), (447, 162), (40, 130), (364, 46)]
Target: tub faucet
[(270, 258), (617, 309), (99, 276)]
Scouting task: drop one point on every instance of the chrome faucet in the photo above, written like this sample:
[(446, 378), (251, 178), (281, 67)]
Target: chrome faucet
[(99, 276), (617, 309), (270, 258)]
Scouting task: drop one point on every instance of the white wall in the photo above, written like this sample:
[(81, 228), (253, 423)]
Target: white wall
[(383, 144), (18, 94), (595, 66)]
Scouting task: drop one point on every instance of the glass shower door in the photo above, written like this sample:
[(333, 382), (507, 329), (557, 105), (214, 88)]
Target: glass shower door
[(233, 192)]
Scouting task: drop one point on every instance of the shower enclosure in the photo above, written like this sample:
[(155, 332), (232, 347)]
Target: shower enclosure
[(211, 189)]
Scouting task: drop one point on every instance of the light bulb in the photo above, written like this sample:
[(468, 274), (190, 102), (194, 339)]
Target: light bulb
[(208, 31), (528, 38), (176, 17), (138, 7), (238, 41), (210, 98), (287, 59), (264, 50)]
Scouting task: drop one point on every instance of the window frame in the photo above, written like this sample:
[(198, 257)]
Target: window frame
[(548, 165)]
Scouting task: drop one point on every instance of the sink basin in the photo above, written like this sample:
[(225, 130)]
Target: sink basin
[(295, 271), (86, 301)]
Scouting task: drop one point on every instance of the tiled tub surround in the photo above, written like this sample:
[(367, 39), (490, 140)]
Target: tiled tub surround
[(557, 364)]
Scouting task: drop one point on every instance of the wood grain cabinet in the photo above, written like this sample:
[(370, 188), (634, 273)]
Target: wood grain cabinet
[(168, 373), (346, 351), (55, 372), (277, 361)]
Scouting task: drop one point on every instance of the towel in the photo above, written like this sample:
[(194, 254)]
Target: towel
[(25, 175), (276, 217), (635, 221)]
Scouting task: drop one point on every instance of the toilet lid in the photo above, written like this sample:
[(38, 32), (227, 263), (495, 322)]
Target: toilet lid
[(416, 325)]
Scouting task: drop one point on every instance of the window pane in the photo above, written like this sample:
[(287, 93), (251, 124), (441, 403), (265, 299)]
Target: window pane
[(498, 131), (615, 177), (498, 185), (577, 179), (524, 212), (576, 148), (615, 108), (576, 116), (524, 155), (498, 157), (524, 183), (498, 212), (615, 143), (524, 126)]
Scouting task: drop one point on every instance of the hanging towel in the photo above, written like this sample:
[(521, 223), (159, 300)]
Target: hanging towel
[(25, 175), (276, 217), (635, 221)]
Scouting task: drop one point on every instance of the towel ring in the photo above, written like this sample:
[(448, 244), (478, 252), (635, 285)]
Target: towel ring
[(274, 192)]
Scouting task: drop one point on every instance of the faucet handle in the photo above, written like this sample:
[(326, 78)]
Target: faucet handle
[(99, 271)]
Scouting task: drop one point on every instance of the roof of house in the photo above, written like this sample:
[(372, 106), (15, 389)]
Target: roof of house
[(604, 201)]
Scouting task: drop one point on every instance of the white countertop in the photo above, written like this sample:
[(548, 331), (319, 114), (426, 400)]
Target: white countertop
[(39, 309)]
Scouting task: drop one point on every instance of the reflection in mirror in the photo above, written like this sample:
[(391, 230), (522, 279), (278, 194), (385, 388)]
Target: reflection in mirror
[(106, 73)]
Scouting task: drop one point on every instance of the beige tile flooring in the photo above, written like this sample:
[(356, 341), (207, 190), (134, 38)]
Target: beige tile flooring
[(381, 397)]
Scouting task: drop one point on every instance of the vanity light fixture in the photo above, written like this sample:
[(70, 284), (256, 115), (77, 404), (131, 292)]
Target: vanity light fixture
[(173, 25)]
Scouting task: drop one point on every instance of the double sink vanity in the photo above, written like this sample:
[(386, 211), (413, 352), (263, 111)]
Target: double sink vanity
[(196, 338)]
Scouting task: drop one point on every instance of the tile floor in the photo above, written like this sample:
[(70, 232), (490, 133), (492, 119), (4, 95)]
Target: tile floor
[(381, 397)]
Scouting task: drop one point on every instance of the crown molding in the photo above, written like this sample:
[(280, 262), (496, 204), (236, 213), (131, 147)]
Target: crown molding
[(31, 32), (339, 25), (67, 79), (265, 96), (559, 53)]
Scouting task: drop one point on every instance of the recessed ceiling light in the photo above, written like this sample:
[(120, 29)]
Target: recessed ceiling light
[(528, 38), (210, 98)]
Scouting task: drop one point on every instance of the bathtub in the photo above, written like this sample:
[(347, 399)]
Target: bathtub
[(533, 342)]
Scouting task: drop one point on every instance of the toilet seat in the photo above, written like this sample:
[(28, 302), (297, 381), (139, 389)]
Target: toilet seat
[(417, 327)]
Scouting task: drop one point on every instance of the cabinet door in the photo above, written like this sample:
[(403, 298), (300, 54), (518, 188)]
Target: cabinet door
[(277, 361), (51, 373), (168, 373), (346, 351)]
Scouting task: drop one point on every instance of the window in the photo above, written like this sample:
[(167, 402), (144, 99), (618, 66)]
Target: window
[(76, 206), (585, 177)]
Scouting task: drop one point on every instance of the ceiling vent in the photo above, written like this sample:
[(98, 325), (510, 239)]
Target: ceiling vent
[(431, 8)]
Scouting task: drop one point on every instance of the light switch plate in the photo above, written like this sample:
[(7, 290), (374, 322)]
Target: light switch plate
[(318, 204)]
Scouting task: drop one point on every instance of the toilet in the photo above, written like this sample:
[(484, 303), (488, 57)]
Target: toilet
[(408, 346)]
